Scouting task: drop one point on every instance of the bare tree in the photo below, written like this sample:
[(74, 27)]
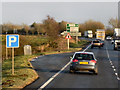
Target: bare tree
[(113, 22), (26, 28), (91, 25), (52, 27)]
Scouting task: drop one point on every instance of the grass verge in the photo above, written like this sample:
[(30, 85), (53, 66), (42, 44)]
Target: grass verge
[(24, 73)]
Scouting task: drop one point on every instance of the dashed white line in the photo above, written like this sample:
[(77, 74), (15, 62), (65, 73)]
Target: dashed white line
[(116, 74), (118, 78), (46, 83), (53, 77), (113, 67), (112, 64)]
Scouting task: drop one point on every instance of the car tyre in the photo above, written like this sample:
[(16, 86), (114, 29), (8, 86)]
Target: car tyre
[(71, 69), (96, 71)]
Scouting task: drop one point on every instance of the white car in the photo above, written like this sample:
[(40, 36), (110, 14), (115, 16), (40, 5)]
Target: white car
[(108, 38)]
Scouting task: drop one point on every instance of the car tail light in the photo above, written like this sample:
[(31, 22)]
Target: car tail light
[(93, 61), (75, 60)]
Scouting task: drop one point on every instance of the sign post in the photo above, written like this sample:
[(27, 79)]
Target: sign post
[(73, 28), (6, 53), (12, 41), (68, 37), (13, 61)]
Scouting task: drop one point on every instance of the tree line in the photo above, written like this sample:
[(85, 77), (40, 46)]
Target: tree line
[(50, 27)]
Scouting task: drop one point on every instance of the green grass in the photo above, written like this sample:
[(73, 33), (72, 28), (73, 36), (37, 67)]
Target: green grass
[(81, 43), (24, 72)]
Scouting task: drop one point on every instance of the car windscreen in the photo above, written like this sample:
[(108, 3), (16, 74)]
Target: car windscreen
[(82, 56), (95, 41)]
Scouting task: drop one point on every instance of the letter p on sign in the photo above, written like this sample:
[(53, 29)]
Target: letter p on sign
[(12, 41)]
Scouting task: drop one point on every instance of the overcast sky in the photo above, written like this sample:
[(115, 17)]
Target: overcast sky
[(76, 12)]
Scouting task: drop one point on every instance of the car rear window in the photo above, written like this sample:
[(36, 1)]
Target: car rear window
[(95, 41), (82, 56)]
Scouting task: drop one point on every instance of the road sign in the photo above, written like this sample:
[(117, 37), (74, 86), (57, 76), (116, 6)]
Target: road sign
[(68, 36), (72, 28), (12, 41), (72, 25), (71, 33)]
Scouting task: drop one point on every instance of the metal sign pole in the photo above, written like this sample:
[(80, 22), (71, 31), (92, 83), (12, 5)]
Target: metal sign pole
[(76, 39), (6, 48), (13, 61), (6, 53), (68, 43)]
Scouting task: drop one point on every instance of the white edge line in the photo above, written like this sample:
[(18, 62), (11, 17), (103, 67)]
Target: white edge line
[(47, 82)]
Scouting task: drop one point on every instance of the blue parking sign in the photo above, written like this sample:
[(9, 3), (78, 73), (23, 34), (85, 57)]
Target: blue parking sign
[(12, 41)]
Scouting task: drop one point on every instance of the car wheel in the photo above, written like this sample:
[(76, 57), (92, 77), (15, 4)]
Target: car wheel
[(71, 69), (95, 71)]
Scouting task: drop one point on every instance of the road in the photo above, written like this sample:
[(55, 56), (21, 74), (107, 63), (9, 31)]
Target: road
[(48, 65)]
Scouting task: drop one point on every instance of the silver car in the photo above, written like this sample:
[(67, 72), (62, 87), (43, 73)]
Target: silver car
[(84, 61)]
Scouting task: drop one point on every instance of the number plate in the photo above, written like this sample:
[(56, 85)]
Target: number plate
[(96, 44), (83, 62)]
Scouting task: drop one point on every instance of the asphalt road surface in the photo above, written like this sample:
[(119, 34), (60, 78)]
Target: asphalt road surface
[(48, 68)]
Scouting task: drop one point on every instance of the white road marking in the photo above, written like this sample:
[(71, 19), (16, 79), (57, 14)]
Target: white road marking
[(53, 77), (118, 78), (113, 67), (112, 64), (46, 83), (116, 74), (87, 48), (36, 58)]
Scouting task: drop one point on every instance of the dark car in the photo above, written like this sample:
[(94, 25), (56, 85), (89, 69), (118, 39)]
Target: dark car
[(97, 43), (84, 61)]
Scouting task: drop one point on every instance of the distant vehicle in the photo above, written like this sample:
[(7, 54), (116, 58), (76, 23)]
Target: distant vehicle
[(88, 34), (84, 61), (108, 38), (101, 41), (117, 32), (97, 43), (100, 34), (112, 41), (116, 38), (116, 43)]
